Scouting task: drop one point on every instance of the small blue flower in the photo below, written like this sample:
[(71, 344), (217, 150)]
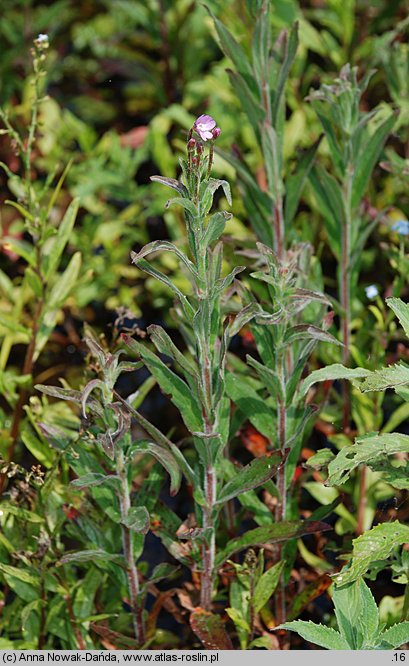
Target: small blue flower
[(401, 227), (371, 291)]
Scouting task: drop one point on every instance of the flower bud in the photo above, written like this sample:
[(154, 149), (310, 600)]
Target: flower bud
[(191, 144), (216, 132), (199, 148)]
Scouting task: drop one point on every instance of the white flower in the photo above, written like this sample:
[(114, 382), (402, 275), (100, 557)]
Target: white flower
[(371, 291)]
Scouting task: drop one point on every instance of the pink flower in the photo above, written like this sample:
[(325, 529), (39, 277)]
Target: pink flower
[(204, 126)]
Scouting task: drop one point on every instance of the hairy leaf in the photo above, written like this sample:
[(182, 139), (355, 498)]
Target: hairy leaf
[(318, 634), (210, 629), (251, 476), (372, 546), (270, 534)]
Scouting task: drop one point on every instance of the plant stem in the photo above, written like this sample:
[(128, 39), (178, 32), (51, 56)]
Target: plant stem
[(346, 293), (281, 507), (361, 501), (209, 543), (127, 541)]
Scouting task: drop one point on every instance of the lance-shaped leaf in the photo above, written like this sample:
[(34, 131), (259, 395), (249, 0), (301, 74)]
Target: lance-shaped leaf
[(147, 268), (170, 182), (232, 49), (296, 182), (290, 50), (171, 384), (165, 457), (88, 556), (215, 183), (94, 479), (242, 318), (188, 206), (266, 585), (308, 332), (53, 247), (210, 629), (58, 295), (375, 545), (318, 634), (267, 376), (91, 386), (390, 377), (248, 100), (156, 246), (215, 227), (357, 614), (137, 519), (223, 283), (401, 310), (251, 476), (331, 204), (260, 415), (270, 534), (366, 450), (164, 345), (331, 373), (368, 157)]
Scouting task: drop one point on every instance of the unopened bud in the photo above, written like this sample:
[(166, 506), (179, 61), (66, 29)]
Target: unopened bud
[(195, 161), (216, 132), (199, 148), (191, 144)]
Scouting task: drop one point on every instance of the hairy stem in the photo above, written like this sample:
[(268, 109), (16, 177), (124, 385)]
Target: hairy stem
[(361, 501), (127, 542), (209, 543), (281, 507), (346, 294)]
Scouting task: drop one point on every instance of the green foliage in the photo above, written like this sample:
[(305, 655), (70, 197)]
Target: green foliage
[(358, 623)]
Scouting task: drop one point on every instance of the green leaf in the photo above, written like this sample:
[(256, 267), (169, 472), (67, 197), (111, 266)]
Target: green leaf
[(157, 246), (331, 204), (34, 281), (270, 534), (165, 345), (372, 546), (171, 384), (401, 310), (215, 227), (366, 450), (291, 45), (397, 635), (266, 585), (308, 332), (210, 629), (357, 614), (158, 275), (390, 377), (20, 247), (65, 283), (318, 634), (254, 407), (331, 373), (248, 100), (295, 182), (165, 457), (238, 619), (94, 479), (88, 556), (232, 49), (54, 247), (23, 514), (137, 519), (251, 476), (31, 578), (369, 154), (13, 326), (170, 182)]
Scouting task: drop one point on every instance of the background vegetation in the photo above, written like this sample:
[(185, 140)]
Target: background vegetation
[(96, 98)]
